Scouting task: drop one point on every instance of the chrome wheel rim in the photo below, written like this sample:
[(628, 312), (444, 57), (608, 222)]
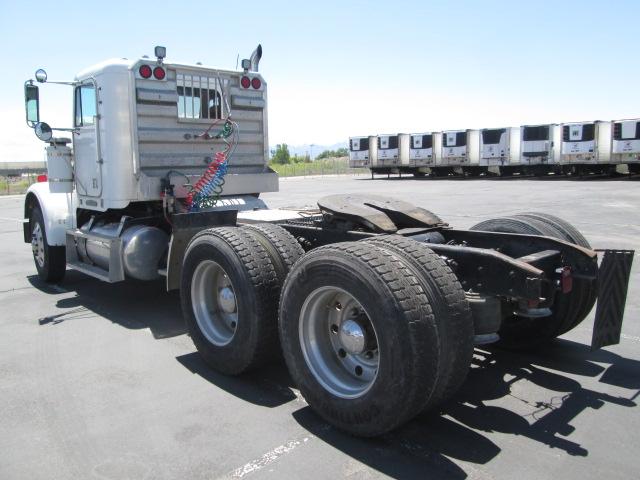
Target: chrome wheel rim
[(37, 245), (339, 342), (214, 303)]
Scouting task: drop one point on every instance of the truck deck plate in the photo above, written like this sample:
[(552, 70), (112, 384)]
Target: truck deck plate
[(382, 214)]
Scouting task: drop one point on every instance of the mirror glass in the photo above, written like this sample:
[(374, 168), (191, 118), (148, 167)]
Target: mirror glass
[(31, 103), (41, 75), (43, 131)]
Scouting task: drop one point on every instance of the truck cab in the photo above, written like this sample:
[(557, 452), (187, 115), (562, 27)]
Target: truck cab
[(146, 134)]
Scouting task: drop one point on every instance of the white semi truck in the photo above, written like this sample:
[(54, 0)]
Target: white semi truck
[(376, 304)]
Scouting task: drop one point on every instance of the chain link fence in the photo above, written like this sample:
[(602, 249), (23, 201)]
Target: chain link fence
[(330, 166), (16, 185)]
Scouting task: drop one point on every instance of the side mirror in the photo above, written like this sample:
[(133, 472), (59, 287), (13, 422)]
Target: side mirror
[(43, 131), (32, 103), (41, 75)]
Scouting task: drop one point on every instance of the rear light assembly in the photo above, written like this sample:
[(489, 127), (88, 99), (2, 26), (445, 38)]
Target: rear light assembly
[(42, 178), (159, 73), (246, 82), (145, 71)]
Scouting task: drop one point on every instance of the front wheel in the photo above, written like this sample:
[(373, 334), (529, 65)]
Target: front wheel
[(50, 260), (359, 337)]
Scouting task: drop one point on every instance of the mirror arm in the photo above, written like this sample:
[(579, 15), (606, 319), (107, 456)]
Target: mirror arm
[(73, 84), (74, 130)]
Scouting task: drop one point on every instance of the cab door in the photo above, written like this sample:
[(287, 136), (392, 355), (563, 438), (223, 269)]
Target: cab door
[(86, 141)]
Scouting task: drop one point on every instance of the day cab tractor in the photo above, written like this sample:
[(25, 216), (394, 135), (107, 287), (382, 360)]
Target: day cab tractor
[(375, 304)]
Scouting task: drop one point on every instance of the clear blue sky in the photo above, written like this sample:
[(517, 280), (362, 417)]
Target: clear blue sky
[(337, 69)]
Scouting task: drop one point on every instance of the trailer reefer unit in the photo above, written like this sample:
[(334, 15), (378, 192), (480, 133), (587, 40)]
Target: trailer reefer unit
[(460, 151), (626, 143), (500, 147), (585, 144), (540, 144), (392, 154), (375, 304), (359, 152), (422, 150)]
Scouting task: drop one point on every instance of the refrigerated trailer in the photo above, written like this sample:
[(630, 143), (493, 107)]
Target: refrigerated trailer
[(626, 143), (586, 146), (359, 152), (392, 154), (374, 303), (422, 152), (500, 147), (540, 147), (459, 153)]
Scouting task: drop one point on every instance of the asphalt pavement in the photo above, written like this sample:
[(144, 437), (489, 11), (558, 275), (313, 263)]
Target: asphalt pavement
[(100, 380)]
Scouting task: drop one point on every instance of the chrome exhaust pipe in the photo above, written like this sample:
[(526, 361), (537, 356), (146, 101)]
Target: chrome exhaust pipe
[(255, 58)]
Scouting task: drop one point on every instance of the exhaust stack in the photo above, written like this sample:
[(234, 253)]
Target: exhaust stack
[(255, 58)]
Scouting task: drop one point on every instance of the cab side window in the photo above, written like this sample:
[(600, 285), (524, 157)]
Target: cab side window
[(85, 105)]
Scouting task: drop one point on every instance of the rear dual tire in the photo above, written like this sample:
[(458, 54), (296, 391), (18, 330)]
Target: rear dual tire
[(413, 318), (568, 310), (230, 288)]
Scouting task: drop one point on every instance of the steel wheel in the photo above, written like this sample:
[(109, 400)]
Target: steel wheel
[(339, 342), (214, 303), (37, 244)]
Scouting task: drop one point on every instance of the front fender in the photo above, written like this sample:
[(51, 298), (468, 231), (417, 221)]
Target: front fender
[(57, 211)]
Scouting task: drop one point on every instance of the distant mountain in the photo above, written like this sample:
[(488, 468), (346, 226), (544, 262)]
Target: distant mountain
[(313, 151)]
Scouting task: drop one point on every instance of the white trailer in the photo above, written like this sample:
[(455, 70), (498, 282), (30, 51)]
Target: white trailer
[(162, 180), (500, 147), (392, 153), (586, 143), (359, 152), (422, 150), (540, 144), (626, 143), (460, 151)]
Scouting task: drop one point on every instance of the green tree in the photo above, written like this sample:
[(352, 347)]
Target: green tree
[(341, 152), (281, 154)]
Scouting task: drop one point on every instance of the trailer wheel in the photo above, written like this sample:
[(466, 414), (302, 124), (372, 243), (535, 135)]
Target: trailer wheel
[(450, 308), (51, 261), (359, 337), (570, 234), (282, 247), (567, 311), (229, 295)]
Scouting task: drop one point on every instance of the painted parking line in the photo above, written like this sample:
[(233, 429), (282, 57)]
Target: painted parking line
[(267, 458)]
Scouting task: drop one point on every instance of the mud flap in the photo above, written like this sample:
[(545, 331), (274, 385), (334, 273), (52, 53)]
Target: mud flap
[(613, 280)]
